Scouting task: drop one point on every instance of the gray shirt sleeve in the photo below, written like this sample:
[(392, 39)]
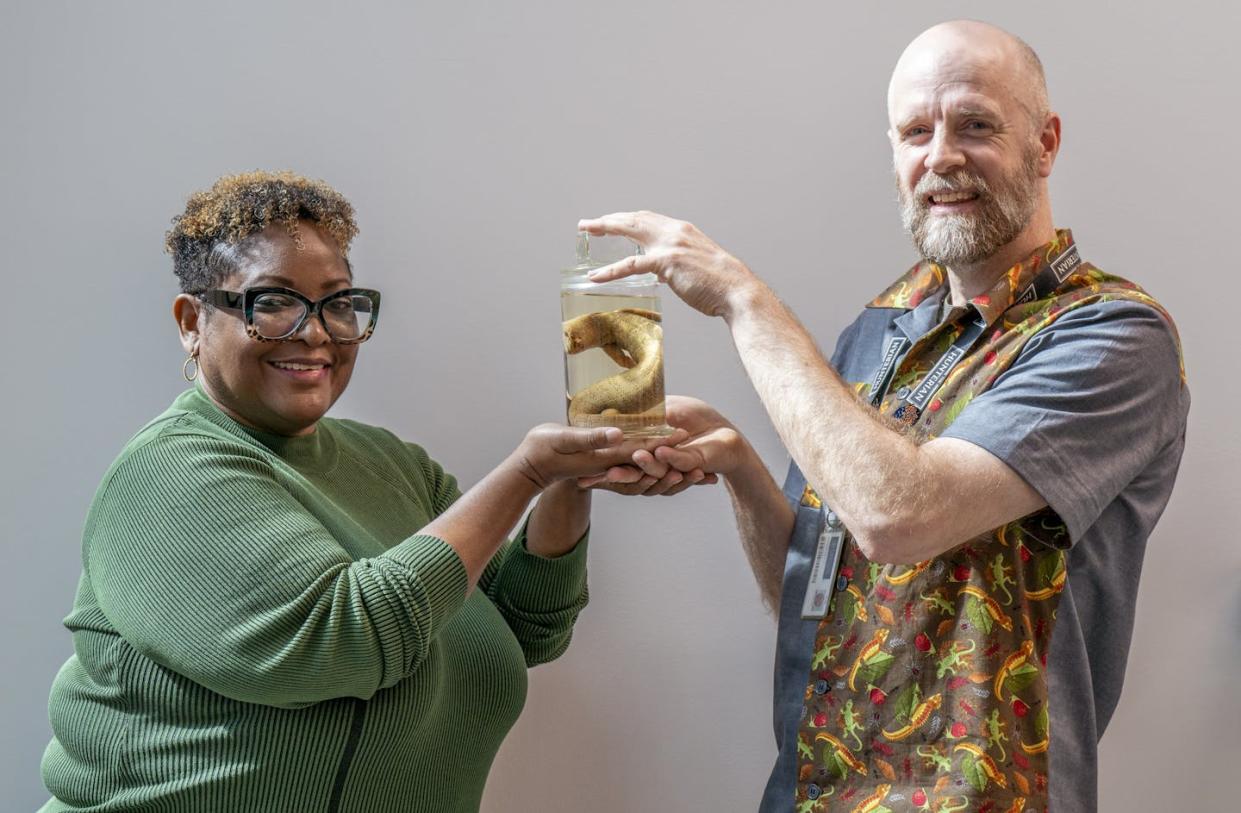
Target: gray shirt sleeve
[(1087, 405)]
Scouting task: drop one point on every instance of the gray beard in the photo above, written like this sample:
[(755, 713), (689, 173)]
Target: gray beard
[(965, 239)]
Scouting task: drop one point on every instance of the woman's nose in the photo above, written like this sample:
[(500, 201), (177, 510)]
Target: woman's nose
[(314, 331)]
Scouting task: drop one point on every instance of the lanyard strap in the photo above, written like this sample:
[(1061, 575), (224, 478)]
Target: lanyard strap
[(883, 377), (830, 552), (1046, 282)]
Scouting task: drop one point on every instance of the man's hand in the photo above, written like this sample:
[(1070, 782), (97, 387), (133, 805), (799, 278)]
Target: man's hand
[(697, 270), (631, 481), (552, 452), (713, 447)]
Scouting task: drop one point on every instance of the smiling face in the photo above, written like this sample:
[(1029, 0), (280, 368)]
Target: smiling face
[(967, 126), (283, 387)]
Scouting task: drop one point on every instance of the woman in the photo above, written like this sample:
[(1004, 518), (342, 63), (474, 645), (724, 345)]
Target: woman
[(281, 611)]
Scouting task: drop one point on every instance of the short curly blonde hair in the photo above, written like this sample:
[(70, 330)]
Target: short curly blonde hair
[(216, 221)]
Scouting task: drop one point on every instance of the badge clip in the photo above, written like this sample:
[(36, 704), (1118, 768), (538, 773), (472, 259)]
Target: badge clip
[(823, 570)]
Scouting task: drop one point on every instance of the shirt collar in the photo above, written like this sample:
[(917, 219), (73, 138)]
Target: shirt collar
[(927, 280), (922, 318)]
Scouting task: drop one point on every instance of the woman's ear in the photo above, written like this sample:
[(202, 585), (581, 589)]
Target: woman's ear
[(187, 310)]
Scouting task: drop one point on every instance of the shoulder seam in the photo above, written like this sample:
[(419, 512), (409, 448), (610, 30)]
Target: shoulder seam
[(368, 431)]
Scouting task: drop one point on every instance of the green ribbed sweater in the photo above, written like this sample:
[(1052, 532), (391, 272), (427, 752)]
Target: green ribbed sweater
[(258, 627)]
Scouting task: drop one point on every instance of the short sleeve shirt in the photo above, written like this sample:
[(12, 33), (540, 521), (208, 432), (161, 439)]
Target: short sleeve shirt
[(1092, 415)]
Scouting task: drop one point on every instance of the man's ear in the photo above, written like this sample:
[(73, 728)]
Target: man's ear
[(1049, 140), (187, 310)]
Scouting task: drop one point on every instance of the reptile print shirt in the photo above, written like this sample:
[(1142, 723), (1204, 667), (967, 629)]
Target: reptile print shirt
[(982, 679)]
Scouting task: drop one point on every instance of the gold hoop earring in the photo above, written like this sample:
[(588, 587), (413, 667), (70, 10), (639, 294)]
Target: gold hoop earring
[(185, 367)]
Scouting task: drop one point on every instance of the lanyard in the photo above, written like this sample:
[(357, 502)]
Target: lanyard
[(1047, 280), (911, 402), (824, 570)]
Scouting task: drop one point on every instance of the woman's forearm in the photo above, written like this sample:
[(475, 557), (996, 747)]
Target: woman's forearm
[(479, 521), (559, 520)]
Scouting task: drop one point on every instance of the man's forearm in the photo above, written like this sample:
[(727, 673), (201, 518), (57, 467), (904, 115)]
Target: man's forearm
[(764, 522), (841, 445), (902, 501)]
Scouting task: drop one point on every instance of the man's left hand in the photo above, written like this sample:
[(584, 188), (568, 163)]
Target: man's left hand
[(705, 276), (712, 448)]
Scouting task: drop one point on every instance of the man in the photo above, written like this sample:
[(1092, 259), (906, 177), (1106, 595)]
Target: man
[(989, 448)]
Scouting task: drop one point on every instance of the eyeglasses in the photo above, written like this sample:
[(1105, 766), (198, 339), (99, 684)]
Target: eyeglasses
[(277, 314)]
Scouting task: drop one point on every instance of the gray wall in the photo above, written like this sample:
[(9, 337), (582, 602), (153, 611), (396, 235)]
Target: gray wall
[(471, 136)]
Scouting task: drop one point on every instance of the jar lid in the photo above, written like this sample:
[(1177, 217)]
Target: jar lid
[(615, 250)]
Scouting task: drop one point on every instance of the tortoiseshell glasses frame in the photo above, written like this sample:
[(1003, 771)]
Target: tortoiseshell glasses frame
[(279, 314)]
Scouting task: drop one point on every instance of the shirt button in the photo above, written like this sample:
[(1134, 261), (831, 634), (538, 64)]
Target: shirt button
[(903, 393), (821, 687), (813, 791), (842, 581)]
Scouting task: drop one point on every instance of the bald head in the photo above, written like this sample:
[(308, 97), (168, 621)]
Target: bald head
[(973, 143), (964, 51)]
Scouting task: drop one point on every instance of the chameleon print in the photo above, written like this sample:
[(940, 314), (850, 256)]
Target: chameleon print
[(941, 665)]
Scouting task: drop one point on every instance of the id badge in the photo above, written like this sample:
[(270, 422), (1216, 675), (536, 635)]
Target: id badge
[(827, 556)]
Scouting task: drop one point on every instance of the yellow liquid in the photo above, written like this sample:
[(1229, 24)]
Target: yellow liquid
[(607, 393)]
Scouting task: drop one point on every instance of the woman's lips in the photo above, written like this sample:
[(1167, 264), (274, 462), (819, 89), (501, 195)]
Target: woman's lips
[(307, 371)]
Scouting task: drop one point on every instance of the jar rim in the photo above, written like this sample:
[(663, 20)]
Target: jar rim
[(576, 278)]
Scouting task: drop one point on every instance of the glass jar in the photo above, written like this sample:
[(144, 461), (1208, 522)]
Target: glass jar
[(613, 343)]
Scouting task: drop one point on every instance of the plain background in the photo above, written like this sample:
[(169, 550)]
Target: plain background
[(471, 137)]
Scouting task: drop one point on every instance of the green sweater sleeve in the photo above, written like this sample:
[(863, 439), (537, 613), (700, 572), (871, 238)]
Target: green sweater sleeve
[(205, 563), (539, 598)]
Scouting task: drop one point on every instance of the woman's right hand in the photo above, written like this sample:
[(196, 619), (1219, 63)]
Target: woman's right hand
[(552, 452)]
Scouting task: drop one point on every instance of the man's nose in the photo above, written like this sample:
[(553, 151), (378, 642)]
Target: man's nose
[(944, 154)]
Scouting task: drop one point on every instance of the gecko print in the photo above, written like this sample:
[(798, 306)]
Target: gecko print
[(927, 689)]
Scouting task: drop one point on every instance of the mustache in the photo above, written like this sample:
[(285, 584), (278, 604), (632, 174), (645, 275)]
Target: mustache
[(933, 184)]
